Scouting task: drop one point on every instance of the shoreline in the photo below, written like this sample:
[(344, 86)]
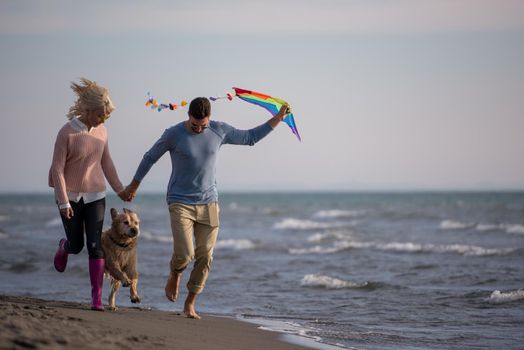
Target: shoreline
[(33, 323)]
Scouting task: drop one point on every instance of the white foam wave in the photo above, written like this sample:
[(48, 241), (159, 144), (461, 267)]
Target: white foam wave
[(149, 236), (463, 249), (455, 225), (335, 213), (499, 297), (296, 224), (294, 329), (487, 227), (317, 280), (335, 248), (318, 237), (56, 222), (406, 247), (235, 244), (514, 228), (233, 206)]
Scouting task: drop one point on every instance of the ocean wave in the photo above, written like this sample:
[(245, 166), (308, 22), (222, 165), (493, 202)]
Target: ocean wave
[(457, 225), (297, 224), (404, 247), (235, 244), (463, 249), (235, 207), (4, 218), (508, 228), (514, 228), (292, 328), (318, 237), (149, 236), (27, 266), (487, 227), (335, 248), (322, 281), (3, 235), (336, 213), (499, 297)]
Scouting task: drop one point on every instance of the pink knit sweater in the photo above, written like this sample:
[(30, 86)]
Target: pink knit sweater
[(80, 161)]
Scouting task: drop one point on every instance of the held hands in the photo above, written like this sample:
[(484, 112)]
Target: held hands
[(129, 193), (124, 195)]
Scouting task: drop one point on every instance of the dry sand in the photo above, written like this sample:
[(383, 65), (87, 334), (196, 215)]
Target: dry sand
[(28, 323)]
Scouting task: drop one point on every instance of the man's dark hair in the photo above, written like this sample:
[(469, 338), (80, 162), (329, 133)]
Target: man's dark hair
[(200, 108)]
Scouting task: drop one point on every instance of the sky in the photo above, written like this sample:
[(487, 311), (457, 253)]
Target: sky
[(387, 95)]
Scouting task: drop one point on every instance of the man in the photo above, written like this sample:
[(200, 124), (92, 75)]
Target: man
[(192, 195)]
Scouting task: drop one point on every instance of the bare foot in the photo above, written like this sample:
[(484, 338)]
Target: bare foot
[(190, 312), (172, 285), (189, 306)]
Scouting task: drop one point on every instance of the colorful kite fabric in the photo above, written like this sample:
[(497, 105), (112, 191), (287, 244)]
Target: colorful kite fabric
[(271, 104)]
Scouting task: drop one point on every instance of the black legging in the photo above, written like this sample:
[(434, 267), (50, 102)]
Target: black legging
[(90, 216)]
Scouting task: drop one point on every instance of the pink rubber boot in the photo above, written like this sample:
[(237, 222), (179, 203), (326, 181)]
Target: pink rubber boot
[(96, 274), (61, 256)]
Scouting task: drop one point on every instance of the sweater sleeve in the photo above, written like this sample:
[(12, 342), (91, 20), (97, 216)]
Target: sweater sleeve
[(110, 171), (160, 147), (245, 137), (56, 173)]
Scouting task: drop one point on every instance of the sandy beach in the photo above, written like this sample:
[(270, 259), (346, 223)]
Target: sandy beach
[(29, 323)]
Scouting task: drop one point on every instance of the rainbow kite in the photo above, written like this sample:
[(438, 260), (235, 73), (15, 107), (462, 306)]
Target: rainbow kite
[(271, 104)]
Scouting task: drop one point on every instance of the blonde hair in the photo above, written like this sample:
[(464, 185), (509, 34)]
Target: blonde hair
[(91, 96)]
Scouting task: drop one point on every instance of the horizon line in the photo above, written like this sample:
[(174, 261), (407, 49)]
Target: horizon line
[(314, 191)]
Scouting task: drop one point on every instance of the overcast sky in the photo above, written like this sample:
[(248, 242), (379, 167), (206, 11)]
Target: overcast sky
[(387, 95)]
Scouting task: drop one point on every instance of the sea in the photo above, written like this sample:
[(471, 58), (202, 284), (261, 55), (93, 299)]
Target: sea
[(341, 270)]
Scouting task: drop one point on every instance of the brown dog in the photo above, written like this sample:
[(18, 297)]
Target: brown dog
[(120, 249)]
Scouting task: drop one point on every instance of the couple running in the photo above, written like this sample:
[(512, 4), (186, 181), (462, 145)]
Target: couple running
[(82, 162)]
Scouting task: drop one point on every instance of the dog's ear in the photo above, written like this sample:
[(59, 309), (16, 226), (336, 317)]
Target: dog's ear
[(114, 213), (127, 211)]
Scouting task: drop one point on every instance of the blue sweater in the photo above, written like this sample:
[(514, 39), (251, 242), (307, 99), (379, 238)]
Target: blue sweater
[(194, 158)]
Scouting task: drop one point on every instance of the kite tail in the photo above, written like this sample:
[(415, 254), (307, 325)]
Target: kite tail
[(151, 101)]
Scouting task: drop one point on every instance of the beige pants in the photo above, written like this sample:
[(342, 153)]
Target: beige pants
[(201, 223)]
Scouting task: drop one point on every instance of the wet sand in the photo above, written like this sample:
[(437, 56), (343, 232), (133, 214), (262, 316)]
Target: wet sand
[(29, 323)]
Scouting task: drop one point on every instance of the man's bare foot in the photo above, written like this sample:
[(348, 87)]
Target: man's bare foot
[(189, 306), (173, 282)]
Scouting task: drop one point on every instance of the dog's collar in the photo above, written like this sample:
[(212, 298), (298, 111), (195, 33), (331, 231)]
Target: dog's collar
[(120, 244)]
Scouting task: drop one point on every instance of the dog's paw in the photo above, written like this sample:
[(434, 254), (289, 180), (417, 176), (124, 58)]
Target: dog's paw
[(135, 299), (113, 308), (126, 283)]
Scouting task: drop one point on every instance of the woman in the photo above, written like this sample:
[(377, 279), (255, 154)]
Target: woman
[(81, 162)]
